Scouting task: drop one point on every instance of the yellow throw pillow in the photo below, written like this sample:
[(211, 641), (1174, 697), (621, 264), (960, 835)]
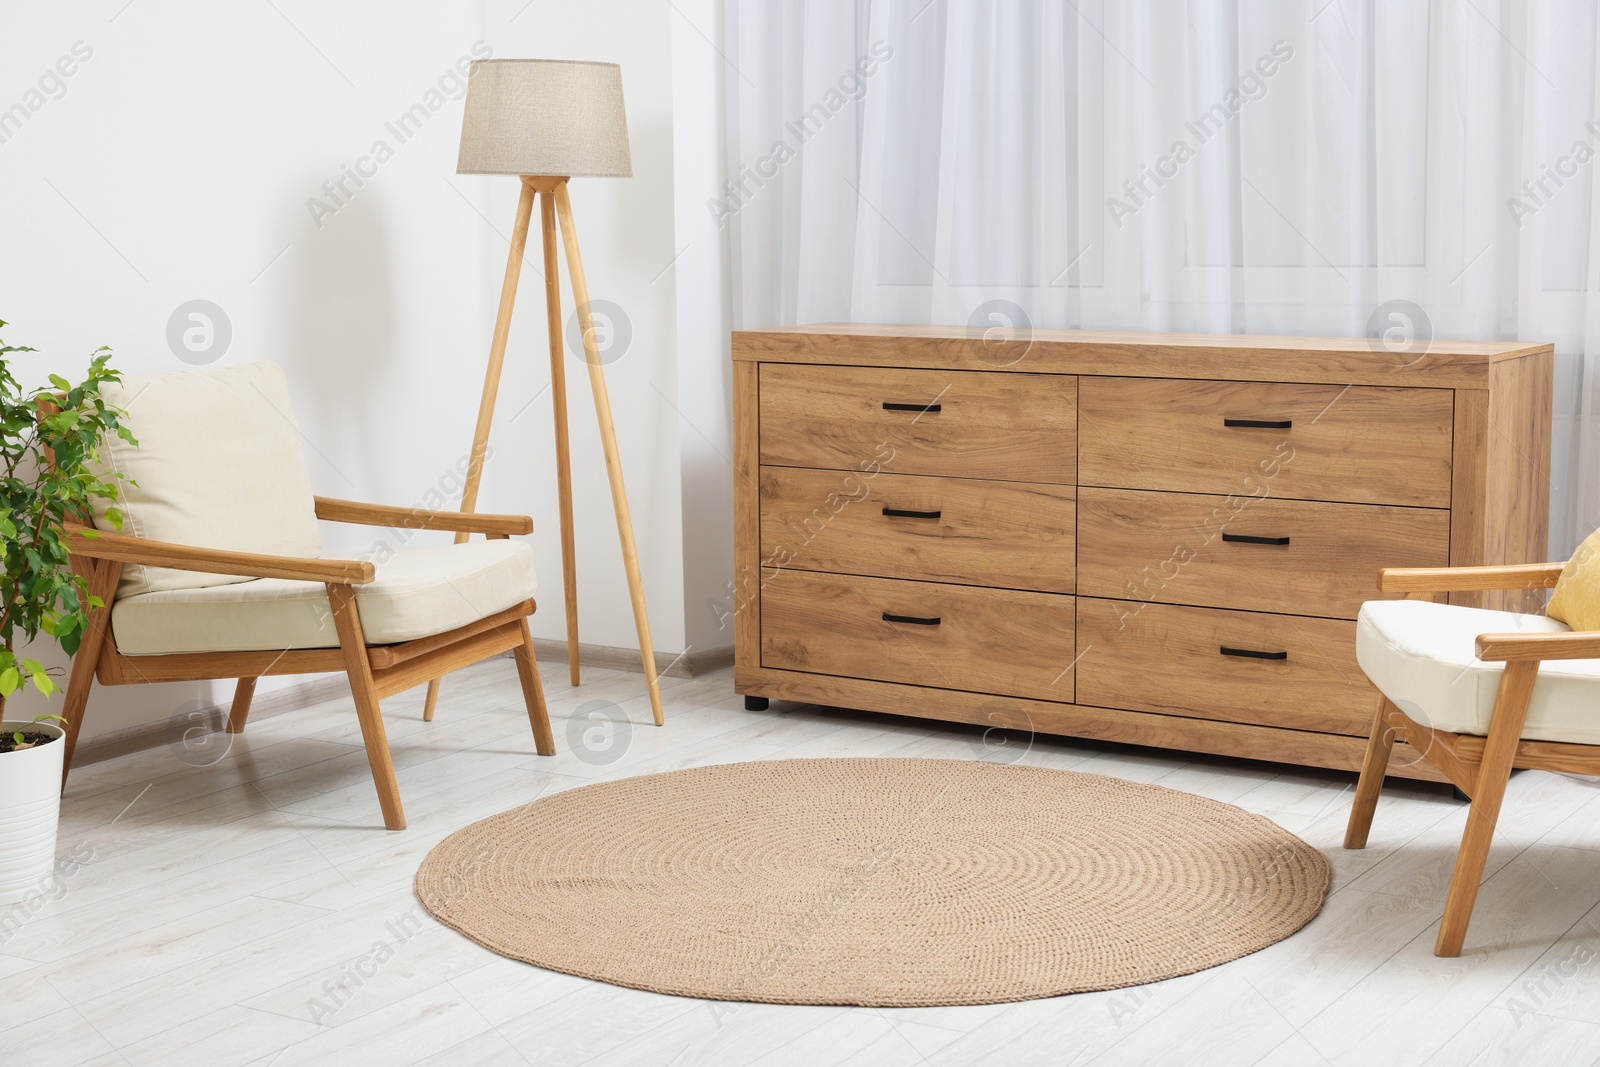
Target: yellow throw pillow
[(1577, 597)]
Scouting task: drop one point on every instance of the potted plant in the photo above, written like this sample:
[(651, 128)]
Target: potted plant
[(48, 441)]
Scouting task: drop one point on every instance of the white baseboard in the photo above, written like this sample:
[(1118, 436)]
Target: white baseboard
[(171, 731), (316, 690), (612, 658)]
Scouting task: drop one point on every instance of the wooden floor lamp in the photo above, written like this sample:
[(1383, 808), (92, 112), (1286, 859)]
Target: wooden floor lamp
[(546, 121)]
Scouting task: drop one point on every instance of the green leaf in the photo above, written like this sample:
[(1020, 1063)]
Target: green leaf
[(9, 680), (50, 474)]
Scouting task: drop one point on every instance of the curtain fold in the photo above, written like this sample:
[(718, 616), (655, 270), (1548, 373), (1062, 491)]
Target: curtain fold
[(1404, 169)]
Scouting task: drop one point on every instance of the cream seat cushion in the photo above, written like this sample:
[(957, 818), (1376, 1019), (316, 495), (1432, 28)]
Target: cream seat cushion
[(418, 592), (218, 465), (1422, 656)]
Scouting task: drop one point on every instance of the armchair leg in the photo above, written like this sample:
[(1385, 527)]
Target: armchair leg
[(1380, 743), (1499, 753), (77, 699), (243, 693), (353, 643), (102, 579), (431, 702), (544, 741)]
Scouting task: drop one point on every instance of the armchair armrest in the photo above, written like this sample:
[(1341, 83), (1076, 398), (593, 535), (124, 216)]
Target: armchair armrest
[(124, 548), (1457, 579), (351, 511), (1503, 647)]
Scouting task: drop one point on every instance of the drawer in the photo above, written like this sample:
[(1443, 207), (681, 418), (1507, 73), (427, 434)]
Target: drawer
[(962, 424), (1015, 535), (1362, 444), (1158, 657), (1223, 551), (982, 640)]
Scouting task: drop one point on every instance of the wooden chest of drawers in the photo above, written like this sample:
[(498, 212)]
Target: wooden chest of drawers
[(1149, 538)]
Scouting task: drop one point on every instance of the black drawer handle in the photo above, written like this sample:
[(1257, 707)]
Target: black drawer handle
[(1250, 653), (924, 408), (902, 513), (1260, 424), (1252, 539), (911, 618)]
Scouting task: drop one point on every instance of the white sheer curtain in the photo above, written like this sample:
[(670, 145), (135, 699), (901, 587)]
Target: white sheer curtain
[(1240, 166)]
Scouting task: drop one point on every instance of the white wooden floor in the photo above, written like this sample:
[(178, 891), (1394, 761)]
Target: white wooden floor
[(248, 908)]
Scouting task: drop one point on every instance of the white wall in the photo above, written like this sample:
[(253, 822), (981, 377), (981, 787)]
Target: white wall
[(178, 164), (705, 395)]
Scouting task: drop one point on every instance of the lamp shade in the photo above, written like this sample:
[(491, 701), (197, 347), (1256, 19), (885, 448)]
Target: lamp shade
[(544, 116)]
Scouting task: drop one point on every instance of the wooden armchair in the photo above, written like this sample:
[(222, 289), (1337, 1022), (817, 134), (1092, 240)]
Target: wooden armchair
[(1464, 687), (219, 574)]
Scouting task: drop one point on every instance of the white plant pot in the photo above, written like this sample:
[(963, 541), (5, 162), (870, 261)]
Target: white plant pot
[(30, 804)]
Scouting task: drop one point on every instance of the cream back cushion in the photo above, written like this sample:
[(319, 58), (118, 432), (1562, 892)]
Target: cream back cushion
[(218, 465)]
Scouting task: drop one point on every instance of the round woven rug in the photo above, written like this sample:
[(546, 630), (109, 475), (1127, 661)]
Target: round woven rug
[(883, 882)]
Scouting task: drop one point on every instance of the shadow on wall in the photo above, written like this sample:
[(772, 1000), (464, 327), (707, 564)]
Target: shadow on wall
[(327, 313), (333, 308)]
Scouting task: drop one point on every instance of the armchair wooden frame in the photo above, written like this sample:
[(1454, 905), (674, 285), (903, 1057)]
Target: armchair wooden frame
[(1479, 766), (375, 671)]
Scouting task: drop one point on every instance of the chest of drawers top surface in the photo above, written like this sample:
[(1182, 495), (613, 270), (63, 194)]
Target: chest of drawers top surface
[(1223, 357)]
